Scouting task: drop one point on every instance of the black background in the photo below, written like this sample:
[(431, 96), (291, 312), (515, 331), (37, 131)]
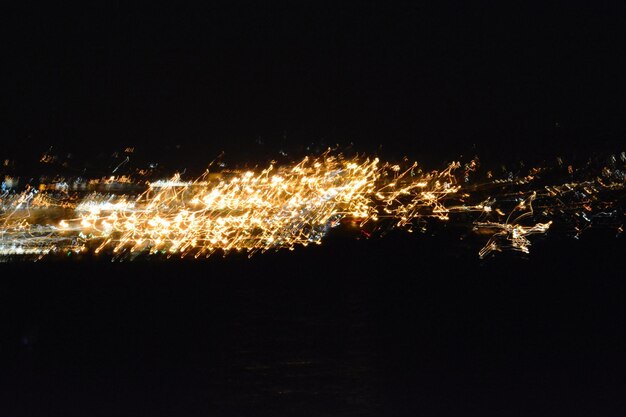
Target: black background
[(404, 325), (423, 81)]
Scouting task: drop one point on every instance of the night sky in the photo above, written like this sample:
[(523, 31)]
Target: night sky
[(417, 80), (402, 325)]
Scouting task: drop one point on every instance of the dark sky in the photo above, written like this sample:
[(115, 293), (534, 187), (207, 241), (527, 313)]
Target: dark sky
[(422, 81)]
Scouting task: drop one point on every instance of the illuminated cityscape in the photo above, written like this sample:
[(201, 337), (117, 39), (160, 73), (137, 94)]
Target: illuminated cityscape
[(286, 206)]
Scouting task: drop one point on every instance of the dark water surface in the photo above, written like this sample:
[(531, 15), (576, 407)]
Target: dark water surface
[(411, 325)]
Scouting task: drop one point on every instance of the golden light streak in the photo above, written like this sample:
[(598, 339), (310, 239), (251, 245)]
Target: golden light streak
[(293, 205)]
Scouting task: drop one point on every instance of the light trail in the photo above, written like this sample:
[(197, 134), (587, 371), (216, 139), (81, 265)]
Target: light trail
[(283, 207)]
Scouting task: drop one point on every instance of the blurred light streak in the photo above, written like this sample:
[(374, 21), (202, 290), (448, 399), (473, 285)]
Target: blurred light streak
[(296, 205)]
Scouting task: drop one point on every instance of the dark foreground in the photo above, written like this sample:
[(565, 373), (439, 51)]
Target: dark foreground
[(412, 325)]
